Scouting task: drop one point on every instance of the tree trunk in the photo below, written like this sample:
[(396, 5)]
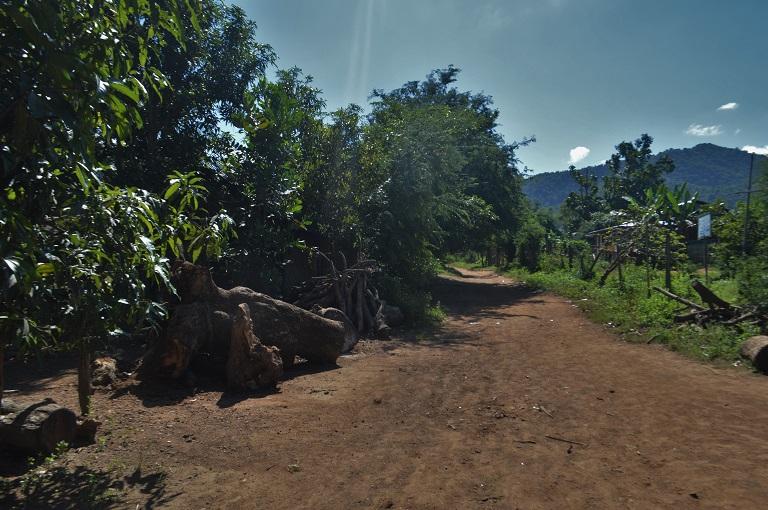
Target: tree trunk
[(2, 370), (359, 304), (297, 332), (84, 388), (35, 428), (667, 263), (756, 349), (293, 330), (679, 299), (351, 335), (250, 364)]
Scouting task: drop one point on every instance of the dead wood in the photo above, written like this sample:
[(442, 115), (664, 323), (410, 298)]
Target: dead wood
[(36, 427), (719, 311), (250, 364), (679, 299), (709, 297), (351, 291), (351, 336), (756, 350), (293, 330)]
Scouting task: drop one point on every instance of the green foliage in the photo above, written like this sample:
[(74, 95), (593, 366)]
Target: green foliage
[(261, 181), (632, 172), (752, 277), (73, 79), (529, 242), (579, 206), (435, 177)]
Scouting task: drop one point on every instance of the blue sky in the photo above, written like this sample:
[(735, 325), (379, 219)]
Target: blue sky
[(580, 75)]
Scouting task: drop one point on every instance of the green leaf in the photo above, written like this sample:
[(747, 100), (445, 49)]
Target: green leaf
[(196, 253), (143, 52), (45, 269), (125, 90), (172, 189)]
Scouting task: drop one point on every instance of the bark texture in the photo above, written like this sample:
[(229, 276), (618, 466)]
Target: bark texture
[(250, 363), (756, 349), (37, 427)]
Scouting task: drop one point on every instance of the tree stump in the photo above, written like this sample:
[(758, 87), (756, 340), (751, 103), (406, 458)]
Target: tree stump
[(756, 349), (250, 364)]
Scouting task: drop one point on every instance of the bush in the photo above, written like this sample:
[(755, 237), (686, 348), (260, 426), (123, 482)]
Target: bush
[(529, 242), (752, 278), (416, 304)]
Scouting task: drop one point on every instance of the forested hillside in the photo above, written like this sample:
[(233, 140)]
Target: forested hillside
[(714, 172)]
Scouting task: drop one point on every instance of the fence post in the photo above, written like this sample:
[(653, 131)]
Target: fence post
[(667, 263), (618, 266)]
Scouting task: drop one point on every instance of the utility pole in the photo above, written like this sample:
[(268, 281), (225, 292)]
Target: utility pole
[(745, 240)]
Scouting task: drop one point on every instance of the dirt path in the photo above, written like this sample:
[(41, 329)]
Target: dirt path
[(471, 416)]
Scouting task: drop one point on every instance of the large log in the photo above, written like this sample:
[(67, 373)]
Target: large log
[(351, 337), (756, 349), (250, 364), (37, 427), (293, 330)]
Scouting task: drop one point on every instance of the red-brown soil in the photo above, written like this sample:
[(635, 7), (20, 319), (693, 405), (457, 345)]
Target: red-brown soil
[(474, 414)]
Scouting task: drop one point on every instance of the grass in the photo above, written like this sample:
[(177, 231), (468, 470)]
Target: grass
[(636, 316)]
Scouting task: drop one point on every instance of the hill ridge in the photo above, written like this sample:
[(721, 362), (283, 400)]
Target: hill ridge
[(716, 172)]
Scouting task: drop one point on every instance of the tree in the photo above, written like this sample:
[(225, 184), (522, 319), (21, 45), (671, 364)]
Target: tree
[(632, 172), (261, 180), (580, 205), (436, 148), (80, 253), (208, 76)]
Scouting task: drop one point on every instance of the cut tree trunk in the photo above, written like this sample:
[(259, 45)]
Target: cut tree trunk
[(293, 330), (350, 332), (37, 427), (192, 328), (756, 349), (250, 363)]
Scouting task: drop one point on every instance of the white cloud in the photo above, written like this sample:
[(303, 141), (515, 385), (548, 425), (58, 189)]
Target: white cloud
[(756, 150), (738, 130), (577, 154), (728, 106), (700, 130)]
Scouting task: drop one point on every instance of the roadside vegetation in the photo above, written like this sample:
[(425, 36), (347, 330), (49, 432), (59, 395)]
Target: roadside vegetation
[(635, 213)]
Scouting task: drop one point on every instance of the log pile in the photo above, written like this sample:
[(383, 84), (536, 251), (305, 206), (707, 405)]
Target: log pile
[(350, 290), (716, 311), (256, 335)]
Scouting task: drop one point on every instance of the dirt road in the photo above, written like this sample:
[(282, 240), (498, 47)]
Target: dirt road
[(517, 401)]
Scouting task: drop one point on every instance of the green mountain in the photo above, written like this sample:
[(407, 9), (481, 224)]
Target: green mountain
[(715, 172)]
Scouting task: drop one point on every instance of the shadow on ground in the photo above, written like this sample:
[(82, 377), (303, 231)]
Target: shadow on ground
[(470, 299), (156, 392), (63, 488)]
